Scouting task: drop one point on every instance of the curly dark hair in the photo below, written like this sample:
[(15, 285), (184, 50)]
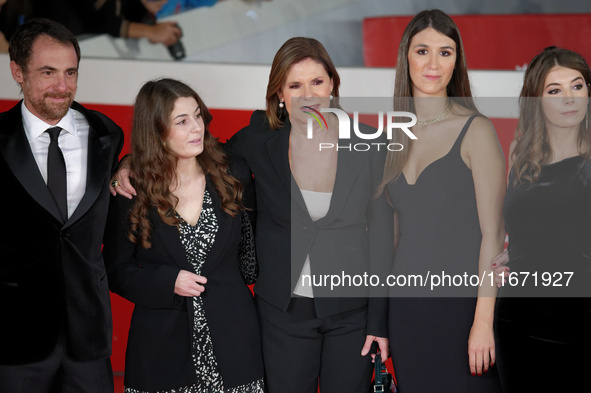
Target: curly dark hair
[(154, 165)]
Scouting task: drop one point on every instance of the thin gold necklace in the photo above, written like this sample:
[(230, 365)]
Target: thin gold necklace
[(436, 119)]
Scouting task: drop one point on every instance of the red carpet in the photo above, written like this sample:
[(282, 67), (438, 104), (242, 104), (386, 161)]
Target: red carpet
[(118, 377)]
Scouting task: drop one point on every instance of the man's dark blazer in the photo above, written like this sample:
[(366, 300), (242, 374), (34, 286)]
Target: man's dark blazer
[(355, 236), (52, 276)]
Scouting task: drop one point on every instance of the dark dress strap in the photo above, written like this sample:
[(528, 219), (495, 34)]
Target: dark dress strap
[(458, 141)]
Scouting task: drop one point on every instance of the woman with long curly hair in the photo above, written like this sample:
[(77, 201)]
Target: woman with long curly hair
[(543, 315), (174, 252)]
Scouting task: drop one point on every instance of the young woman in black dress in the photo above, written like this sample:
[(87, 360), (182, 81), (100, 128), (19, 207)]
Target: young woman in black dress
[(447, 188), (542, 323)]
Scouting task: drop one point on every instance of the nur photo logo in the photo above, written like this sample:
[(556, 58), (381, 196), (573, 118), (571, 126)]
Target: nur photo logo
[(345, 128), (316, 115)]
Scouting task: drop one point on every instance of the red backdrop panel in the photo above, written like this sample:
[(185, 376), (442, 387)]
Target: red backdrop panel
[(485, 38)]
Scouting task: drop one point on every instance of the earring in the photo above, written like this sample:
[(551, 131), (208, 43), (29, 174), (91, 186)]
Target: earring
[(331, 97), (281, 104)]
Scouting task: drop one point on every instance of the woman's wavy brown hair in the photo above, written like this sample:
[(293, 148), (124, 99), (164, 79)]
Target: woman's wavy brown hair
[(154, 165), (458, 88), (532, 149), (291, 52)]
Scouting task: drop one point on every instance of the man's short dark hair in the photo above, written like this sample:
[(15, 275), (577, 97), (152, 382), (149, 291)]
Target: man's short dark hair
[(25, 35)]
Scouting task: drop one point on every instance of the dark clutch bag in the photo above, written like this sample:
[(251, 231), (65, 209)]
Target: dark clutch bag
[(249, 267), (382, 381)]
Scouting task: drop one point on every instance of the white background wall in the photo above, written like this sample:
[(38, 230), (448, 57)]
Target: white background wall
[(231, 86)]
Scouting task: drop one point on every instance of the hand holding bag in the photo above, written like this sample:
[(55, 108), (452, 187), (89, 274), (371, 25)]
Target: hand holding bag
[(382, 379)]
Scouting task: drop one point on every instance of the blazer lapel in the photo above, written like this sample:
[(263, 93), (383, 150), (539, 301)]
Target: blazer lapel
[(171, 241), (278, 150), (98, 164), (222, 234), (348, 166), (15, 148), (297, 199)]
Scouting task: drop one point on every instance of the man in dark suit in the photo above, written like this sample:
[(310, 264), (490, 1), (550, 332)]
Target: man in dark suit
[(56, 160)]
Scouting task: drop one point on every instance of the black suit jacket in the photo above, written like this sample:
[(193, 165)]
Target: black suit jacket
[(354, 238), (159, 351), (52, 277)]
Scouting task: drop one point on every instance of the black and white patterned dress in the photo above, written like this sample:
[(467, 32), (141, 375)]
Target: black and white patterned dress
[(197, 241)]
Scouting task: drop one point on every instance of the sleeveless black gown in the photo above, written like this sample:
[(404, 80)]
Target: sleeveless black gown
[(439, 233), (543, 325)]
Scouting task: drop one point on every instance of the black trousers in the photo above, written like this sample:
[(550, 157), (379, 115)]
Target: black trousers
[(301, 351), (58, 374)]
